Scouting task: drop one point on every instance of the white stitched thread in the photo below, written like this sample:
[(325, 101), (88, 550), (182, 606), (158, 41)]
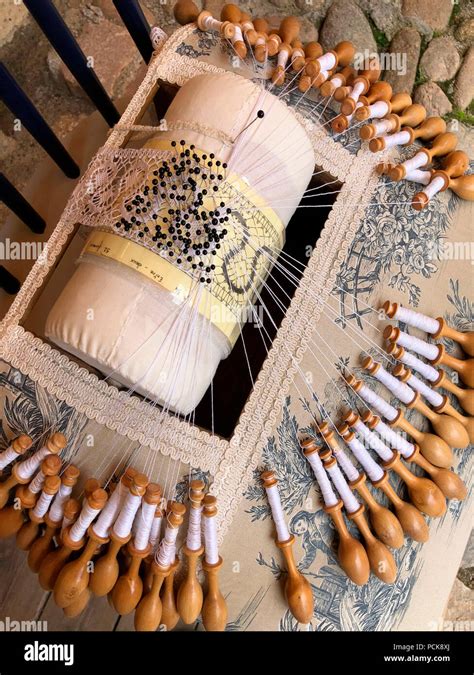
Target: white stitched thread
[(415, 162), (210, 539), (27, 468), (346, 464), (416, 319), (108, 514), (434, 187), (397, 442), (372, 469), (378, 109), (399, 389), (434, 398), (37, 483), (374, 441), (420, 366), (277, 513), (426, 349), (327, 61), (400, 138), (123, 524), (155, 531), (86, 517), (56, 511), (166, 552), (7, 457), (42, 504), (346, 494), (145, 519), (378, 403), (193, 538), (322, 479)]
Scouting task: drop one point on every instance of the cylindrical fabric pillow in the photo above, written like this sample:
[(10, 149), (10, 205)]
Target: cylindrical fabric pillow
[(123, 311)]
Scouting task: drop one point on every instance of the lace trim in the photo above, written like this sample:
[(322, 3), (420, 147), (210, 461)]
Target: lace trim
[(231, 462)]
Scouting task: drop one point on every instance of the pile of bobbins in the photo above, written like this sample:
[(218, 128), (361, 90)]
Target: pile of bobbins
[(109, 543), (393, 119), (341, 482)]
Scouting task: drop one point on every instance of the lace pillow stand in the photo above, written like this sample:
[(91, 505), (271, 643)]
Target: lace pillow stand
[(231, 462)]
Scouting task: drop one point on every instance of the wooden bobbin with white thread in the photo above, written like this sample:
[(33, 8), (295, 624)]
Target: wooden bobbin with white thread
[(190, 595), (312, 50), (214, 609), (437, 328), (342, 78), (386, 525), (248, 29), (442, 145), (29, 496), (185, 11), (436, 354), (106, 569), (380, 111), (412, 116), (17, 447), (434, 448), (207, 22), (431, 127), (289, 30), (149, 610), (351, 554), (465, 397), (28, 535), (376, 103), (450, 425), (424, 493), (361, 85), (56, 559), (65, 588), (298, 58), (260, 47), (381, 560), (22, 472), (154, 540), (53, 518), (128, 588), (410, 518), (448, 482), (341, 55), (454, 166), (231, 13), (298, 592)]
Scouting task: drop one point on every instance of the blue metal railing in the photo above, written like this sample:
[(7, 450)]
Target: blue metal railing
[(55, 29)]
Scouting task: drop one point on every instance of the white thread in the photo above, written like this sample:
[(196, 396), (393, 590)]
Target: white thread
[(426, 349), (397, 442), (416, 319), (346, 494), (425, 369), (155, 531), (415, 162), (108, 514), (357, 90), (212, 24), (260, 41), (434, 187), (7, 456), (400, 138), (123, 524), (383, 127), (327, 61), (283, 56), (297, 54), (56, 511), (374, 441), (37, 483), (193, 538), (65, 523), (86, 517), (399, 389), (166, 552), (372, 469), (434, 398), (346, 464), (145, 519), (378, 109), (210, 538), (418, 176), (42, 504), (378, 403), (320, 474), (238, 37), (277, 513), (27, 468), (336, 82)]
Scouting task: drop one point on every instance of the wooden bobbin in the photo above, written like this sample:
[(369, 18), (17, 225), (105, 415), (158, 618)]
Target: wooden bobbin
[(379, 91), (45, 544), (17, 447), (248, 29), (214, 608), (381, 560), (312, 50), (185, 11), (106, 569), (73, 578), (340, 79), (412, 116), (169, 612), (55, 560), (341, 55), (465, 397), (190, 595), (231, 13), (454, 166), (411, 519), (384, 523), (430, 128), (260, 47), (434, 448), (351, 554), (149, 610), (448, 427), (128, 589), (397, 104), (361, 85), (28, 533), (298, 58), (467, 422), (207, 22), (442, 145), (78, 606)]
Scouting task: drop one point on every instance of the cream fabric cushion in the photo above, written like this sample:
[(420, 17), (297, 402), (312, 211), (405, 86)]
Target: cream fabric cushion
[(125, 325)]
